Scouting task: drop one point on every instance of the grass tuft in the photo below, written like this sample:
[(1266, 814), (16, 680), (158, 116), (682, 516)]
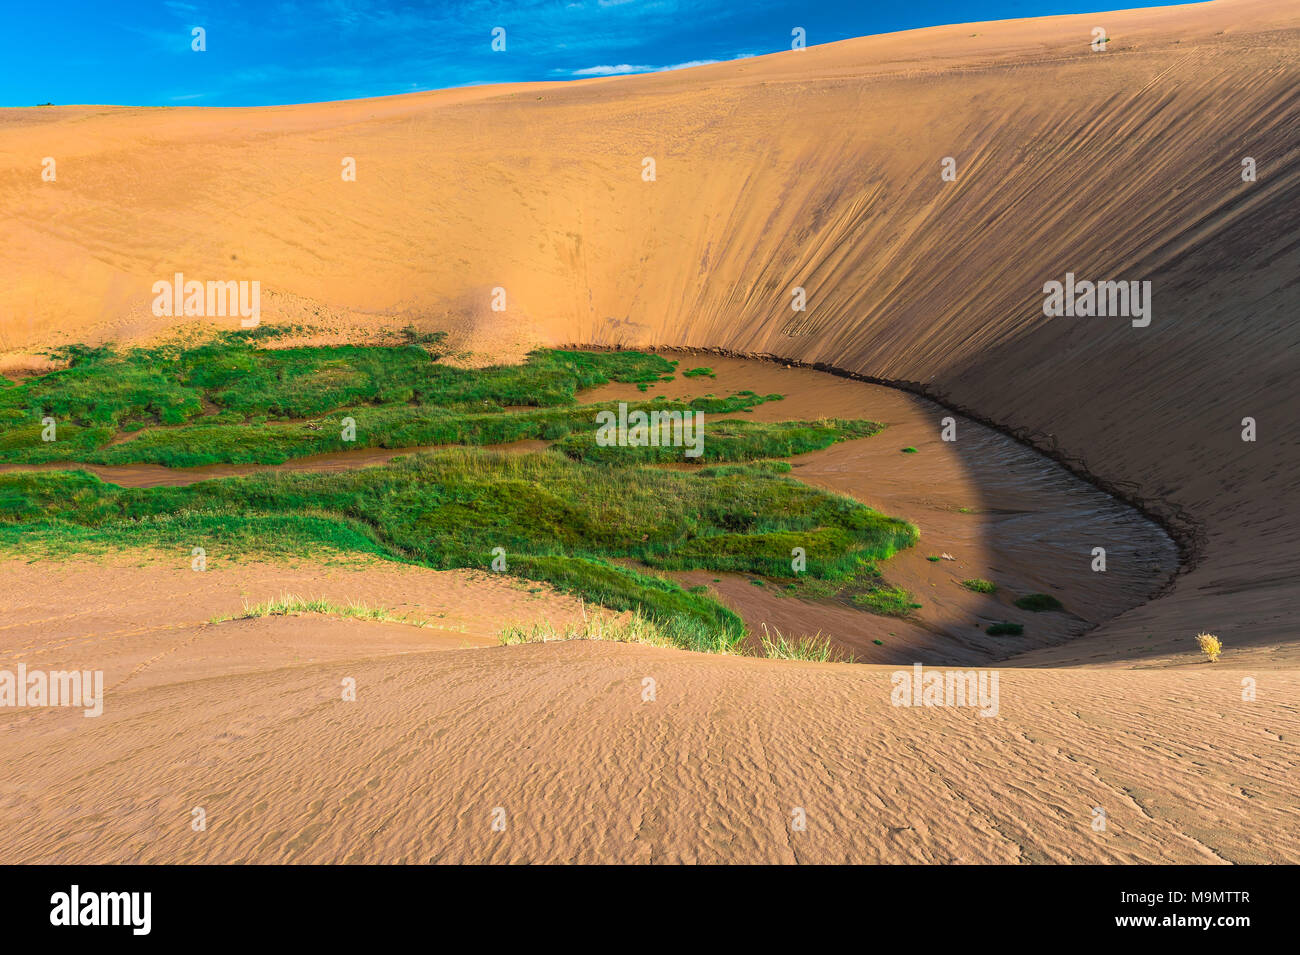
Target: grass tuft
[(1005, 629), (814, 649), (1210, 646), (680, 633), (291, 604), (888, 601), (1038, 603)]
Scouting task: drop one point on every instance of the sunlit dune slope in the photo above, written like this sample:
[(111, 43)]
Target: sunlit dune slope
[(577, 765), (817, 168)]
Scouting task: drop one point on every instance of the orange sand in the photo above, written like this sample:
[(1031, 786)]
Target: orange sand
[(818, 169)]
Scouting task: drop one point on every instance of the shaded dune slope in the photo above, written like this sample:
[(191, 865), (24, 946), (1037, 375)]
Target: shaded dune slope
[(817, 168)]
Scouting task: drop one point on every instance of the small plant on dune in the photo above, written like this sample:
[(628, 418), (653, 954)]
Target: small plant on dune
[(980, 585), (413, 336), (1038, 603), (634, 627), (699, 373), (292, 604), (909, 450), (1210, 646), (889, 601), (1005, 630), (814, 649)]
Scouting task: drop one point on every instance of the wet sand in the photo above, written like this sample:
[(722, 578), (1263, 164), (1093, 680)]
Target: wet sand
[(1003, 511)]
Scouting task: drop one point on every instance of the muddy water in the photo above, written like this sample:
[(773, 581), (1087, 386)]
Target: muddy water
[(999, 510)]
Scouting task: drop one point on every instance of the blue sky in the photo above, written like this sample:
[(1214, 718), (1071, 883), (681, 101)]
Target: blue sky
[(262, 52)]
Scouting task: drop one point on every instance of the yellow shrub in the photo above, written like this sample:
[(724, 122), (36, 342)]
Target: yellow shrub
[(1209, 645)]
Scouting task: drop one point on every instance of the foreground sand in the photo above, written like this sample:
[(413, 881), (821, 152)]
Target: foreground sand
[(710, 771), (246, 720)]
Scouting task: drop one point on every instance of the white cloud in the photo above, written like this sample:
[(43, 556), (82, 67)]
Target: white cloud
[(612, 70), (624, 68), (686, 66)]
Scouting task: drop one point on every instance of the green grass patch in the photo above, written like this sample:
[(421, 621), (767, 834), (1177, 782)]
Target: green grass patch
[(887, 601), (725, 440), (980, 585), (560, 521), (1039, 603), (1005, 630), (288, 401), (600, 522)]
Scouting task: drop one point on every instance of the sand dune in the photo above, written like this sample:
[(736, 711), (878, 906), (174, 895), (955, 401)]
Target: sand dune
[(415, 769), (819, 169), (246, 721)]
